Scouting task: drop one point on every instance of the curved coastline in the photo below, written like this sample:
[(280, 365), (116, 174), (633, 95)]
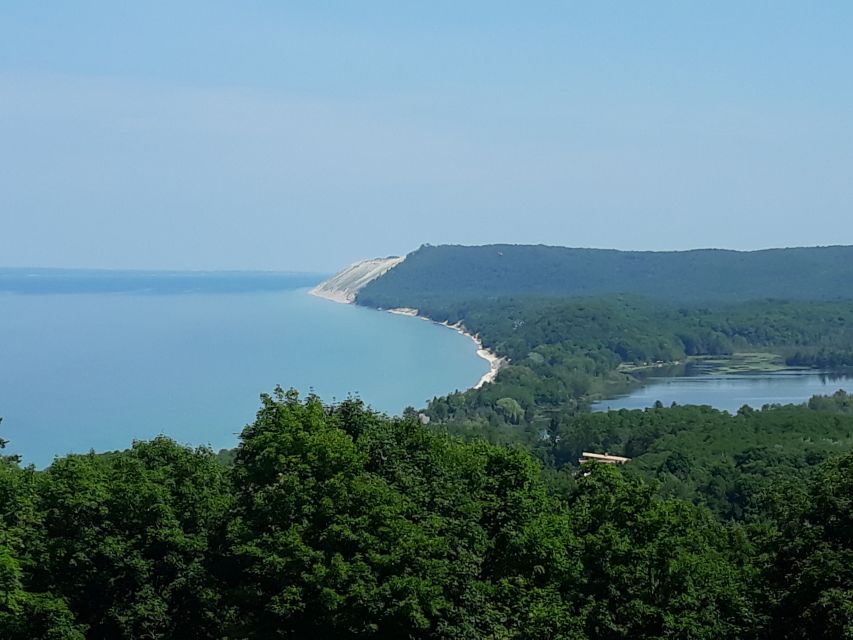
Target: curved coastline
[(495, 362)]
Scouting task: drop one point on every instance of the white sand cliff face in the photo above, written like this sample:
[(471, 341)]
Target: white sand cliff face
[(345, 285)]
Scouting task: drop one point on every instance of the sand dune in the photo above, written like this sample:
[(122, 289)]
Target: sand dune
[(344, 285)]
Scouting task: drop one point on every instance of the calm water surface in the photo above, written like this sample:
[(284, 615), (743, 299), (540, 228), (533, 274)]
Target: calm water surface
[(82, 371), (731, 391)]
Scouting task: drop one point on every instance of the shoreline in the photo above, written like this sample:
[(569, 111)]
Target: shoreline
[(495, 362), (332, 296)]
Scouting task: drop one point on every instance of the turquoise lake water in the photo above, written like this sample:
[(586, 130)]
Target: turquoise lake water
[(730, 392), (82, 370)]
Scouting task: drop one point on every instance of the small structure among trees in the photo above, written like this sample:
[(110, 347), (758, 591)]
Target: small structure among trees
[(605, 457)]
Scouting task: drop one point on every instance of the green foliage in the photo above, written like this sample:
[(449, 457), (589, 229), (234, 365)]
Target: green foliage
[(705, 455), (511, 409), (348, 524), (124, 539), (656, 568), (535, 307), (25, 613), (564, 353), (470, 273), (339, 522), (574, 328), (839, 402), (809, 554)]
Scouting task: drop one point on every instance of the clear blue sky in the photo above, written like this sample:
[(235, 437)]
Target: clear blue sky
[(281, 135)]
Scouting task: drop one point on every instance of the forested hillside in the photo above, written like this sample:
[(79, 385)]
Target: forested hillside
[(469, 273), (335, 522)]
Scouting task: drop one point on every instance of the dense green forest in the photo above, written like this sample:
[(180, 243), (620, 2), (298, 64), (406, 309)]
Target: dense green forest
[(577, 325), (336, 522), (565, 352), (447, 272), (636, 330), (696, 453)]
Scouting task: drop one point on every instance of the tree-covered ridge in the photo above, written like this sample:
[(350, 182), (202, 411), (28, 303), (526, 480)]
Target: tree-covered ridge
[(338, 522), (470, 273)]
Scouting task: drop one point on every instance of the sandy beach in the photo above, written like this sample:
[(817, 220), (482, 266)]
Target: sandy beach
[(404, 311), (335, 296), (495, 363)]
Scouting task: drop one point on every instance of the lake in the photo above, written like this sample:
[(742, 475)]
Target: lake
[(731, 391), (96, 362)]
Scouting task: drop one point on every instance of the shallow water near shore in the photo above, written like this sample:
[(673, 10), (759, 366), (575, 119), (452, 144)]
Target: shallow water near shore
[(82, 371)]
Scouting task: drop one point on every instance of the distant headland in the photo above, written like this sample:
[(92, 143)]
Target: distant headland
[(414, 284)]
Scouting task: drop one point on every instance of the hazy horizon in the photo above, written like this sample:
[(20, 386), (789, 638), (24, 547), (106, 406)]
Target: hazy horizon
[(211, 136), (331, 271)]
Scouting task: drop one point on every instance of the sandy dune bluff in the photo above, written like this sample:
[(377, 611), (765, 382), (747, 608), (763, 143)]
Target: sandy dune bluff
[(344, 285)]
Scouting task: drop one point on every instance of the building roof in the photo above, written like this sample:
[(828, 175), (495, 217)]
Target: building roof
[(603, 457)]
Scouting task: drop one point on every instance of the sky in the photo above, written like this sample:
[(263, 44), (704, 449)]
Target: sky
[(302, 136)]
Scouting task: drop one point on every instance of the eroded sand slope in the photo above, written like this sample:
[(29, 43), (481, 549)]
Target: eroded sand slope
[(344, 285)]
